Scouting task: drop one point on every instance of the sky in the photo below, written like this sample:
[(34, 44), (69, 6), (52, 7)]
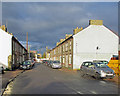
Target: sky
[(48, 22)]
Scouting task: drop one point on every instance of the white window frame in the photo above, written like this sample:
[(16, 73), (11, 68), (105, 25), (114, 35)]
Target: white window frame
[(70, 45), (70, 58)]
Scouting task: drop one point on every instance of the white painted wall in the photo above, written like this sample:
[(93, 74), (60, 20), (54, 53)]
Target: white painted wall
[(5, 47), (86, 41)]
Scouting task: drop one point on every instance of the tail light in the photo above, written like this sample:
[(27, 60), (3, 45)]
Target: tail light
[(80, 66)]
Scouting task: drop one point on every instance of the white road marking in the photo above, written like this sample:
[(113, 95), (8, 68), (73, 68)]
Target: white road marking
[(93, 92), (79, 92), (103, 82)]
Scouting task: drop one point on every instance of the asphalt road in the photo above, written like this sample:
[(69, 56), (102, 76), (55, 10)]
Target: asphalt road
[(44, 80)]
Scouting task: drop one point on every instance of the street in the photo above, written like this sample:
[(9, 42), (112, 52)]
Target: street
[(44, 80)]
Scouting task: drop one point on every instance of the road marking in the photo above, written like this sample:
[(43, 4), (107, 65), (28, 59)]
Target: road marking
[(79, 92), (93, 92), (103, 82)]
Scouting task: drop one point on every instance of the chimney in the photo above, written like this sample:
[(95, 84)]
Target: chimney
[(61, 40), (67, 36), (75, 31), (95, 22)]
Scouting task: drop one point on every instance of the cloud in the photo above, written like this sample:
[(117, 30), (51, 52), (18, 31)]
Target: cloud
[(46, 23)]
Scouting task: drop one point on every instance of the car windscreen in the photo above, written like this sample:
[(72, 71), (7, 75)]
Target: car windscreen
[(26, 63), (101, 65), (105, 62)]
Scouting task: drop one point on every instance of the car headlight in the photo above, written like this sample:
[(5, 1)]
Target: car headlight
[(102, 72)]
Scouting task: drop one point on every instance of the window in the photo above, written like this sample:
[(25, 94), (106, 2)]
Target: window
[(70, 59), (70, 45), (86, 64), (60, 49), (63, 48), (66, 46), (91, 65), (63, 59)]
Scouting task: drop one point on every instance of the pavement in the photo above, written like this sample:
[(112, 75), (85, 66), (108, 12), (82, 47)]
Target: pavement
[(7, 77), (68, 70), (45, 80)]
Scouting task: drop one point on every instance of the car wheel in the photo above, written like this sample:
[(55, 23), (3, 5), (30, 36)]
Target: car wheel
[(97, 76)]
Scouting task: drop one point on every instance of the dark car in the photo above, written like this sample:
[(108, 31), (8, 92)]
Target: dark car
[(1, 69), (26, 65), (49, 63), (33, 62), (98, 70), (45, 62)]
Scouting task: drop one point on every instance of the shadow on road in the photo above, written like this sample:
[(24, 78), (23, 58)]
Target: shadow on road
[(53, 88)]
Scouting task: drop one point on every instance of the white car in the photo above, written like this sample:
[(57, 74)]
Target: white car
[(56, 64)]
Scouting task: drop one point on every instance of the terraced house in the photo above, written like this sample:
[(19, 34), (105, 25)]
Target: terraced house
[(95, 42), (64, 50), (12, 52)]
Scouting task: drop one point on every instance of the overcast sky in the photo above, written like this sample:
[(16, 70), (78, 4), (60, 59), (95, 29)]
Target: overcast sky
[(46, 23)]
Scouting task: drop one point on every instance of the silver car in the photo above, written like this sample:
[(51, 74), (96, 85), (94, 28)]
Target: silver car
[(98, 70), (56, 64), (101, 61)]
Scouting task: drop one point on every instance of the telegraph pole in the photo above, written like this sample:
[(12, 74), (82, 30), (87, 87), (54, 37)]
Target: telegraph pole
[(27, 42), (6, 29), (27, 45)]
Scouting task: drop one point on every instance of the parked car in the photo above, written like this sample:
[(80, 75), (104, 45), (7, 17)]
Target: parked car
[(102, 61), (33, 62), (26, 65), (1, 69), (98, 70), (44, 61), (56, 64), (49, 63)]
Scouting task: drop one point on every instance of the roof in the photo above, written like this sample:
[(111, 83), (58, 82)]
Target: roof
[(19, 43), (92, 23), (62, 42)]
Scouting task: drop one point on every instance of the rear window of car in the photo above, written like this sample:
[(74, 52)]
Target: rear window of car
[(86, 64), (26, 62)]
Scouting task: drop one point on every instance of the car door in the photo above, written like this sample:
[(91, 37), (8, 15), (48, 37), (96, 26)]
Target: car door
[(91, 69), (86, 67)]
